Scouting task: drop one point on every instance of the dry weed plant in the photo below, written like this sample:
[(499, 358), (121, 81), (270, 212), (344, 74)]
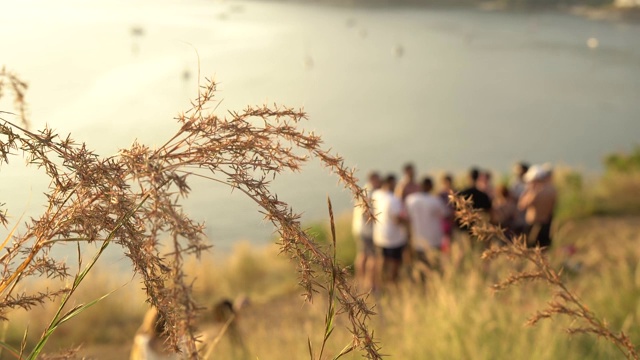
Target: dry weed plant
[(329, 321), (132, 200), (564, 302)]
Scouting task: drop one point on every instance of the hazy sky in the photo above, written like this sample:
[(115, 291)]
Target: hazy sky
[(445, 89)]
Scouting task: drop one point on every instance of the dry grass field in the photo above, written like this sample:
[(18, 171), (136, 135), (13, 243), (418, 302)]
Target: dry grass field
[(456, 315)]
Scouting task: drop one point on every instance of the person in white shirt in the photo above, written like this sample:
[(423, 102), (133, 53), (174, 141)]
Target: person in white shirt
[(363, 234), (389, 233), (426, 214)]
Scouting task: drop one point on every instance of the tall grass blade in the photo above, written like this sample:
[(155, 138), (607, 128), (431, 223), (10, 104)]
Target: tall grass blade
[(13, 351), (310, 348), (10, 234), (58, 319), (218, 337)]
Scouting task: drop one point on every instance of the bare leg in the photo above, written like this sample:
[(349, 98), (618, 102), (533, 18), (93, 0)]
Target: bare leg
[(360, 268), (370, 278), (394, 270)]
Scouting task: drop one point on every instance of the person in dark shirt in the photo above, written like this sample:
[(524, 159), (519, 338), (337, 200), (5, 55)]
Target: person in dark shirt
[(480, 200)]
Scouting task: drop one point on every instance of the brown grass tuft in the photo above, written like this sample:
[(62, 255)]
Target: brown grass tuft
[(133, 200)]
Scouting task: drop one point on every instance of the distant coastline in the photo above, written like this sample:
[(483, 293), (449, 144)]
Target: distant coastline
[(607, 13), (600, 10)]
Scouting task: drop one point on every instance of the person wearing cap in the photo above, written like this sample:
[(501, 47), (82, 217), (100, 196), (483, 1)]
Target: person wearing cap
[(538, 201)]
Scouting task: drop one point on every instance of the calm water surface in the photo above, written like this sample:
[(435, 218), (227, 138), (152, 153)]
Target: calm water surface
[(445, 89)]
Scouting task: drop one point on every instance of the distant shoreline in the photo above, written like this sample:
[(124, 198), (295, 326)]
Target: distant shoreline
[(609, 13)]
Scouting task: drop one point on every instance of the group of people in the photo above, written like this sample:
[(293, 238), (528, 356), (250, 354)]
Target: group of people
[(411, 218)]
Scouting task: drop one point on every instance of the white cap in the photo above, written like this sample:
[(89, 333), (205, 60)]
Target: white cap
[(538, 172), (535, 172)]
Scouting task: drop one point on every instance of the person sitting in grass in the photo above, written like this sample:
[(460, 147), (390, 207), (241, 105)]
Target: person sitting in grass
[(150, 341)]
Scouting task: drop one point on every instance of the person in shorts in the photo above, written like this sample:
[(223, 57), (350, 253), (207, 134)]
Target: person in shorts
[(426, 214), (389, 232), (363, 234)]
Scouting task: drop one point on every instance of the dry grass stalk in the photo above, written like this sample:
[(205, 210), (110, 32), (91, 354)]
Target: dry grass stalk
[(67, 354), (18, 89), (132, 200), (564, 302)]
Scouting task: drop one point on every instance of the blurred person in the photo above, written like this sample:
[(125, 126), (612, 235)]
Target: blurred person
[(485, 184), (538, 201), (226, 315), (505, 209), (389, 232), (150, 341), (362, 228), (407, 185), (426, 213), (519, 184), (479, 199), (449, 221), (517, 189)]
